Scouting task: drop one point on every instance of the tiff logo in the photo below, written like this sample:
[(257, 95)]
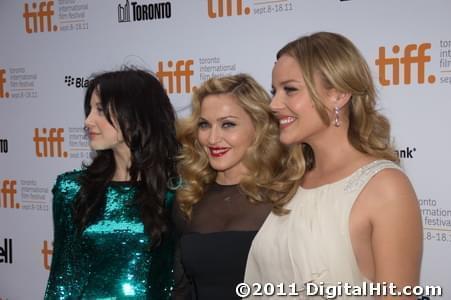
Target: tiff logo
[(45, 142), (413, 55), (123, 12), (34, 20), (182, 70), (46, 254), (216, 8), (6, 252), (3, 146), (9, 192), (3, 93)]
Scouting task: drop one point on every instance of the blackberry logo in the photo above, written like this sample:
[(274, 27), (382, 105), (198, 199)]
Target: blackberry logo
[(69, 80), (406, 152), (78, 82)]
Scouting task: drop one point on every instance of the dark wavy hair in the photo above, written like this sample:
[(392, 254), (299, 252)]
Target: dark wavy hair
[(138, 102)]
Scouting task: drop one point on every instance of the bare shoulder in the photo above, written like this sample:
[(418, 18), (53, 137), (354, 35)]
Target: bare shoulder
[(389, 204), (389, 190), (389, 199), (394, 215)]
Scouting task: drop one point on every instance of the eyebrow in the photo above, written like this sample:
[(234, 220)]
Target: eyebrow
[(221, 118), (290, 80)]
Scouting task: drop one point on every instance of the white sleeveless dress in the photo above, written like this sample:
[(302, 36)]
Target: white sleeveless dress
[(312, 242)]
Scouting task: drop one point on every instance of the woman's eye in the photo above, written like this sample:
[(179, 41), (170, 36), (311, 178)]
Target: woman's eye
[(272, 92), (202, 124), (228, 124), (289, 89), (99, 110)]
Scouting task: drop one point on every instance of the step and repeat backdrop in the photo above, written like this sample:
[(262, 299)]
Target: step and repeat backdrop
[(48, 50)]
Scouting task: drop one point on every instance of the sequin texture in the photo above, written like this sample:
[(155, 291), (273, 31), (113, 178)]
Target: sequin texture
[(111, 259)]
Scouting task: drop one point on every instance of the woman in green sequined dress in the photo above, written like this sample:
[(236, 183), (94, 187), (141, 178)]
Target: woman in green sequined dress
[(112, 238)]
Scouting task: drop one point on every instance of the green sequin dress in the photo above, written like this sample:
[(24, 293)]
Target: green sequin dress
[(111, 258)]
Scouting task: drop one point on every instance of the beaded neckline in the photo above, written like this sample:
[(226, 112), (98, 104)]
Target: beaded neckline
[(351, 178)]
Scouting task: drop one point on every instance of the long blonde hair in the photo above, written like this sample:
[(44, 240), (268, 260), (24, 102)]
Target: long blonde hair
[(274, 169), (340, 65)]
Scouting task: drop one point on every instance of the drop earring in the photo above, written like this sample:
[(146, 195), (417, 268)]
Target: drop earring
[(337, 117)]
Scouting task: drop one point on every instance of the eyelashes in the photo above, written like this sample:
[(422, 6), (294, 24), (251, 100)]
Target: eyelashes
[(228, 124), (287, 89), (224, 124), (203, 124)]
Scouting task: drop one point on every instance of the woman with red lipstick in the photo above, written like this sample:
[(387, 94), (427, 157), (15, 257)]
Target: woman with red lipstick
[(112, 237), (355, 217), (231, 163)]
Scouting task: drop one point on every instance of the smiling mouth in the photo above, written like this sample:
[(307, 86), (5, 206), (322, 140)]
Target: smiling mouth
[(286, 121), (218, 151)]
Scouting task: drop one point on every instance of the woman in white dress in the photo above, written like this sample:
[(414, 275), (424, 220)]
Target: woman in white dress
[(355, 217)]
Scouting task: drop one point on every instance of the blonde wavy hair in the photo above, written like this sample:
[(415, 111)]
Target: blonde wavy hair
[(341, 66), (274, 169)]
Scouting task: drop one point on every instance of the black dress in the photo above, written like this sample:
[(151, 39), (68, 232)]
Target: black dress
[(215, 244)]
